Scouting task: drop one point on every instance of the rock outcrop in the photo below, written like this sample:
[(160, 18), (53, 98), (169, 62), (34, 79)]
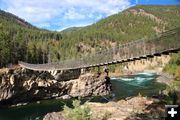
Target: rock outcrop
[(22, 85), (156, 63), (136, 108), (55, 116)]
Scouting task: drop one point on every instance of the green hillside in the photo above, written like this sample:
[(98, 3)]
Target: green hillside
[(134, 23), (19, 40), (39, 46)]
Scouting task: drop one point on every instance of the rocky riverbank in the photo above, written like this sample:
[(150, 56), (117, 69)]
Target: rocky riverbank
[(136, 108), (21, 85)]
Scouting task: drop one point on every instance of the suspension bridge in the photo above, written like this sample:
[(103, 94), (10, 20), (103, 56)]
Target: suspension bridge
[(164, 43)]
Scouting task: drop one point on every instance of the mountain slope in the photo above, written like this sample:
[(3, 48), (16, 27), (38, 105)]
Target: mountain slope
[(6, 16), (71, 29), (134, 23)]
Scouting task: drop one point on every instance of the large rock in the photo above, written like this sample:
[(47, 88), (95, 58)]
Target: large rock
[(67, 75), (88, 85), (21, 85), (130, 109), (54, 116)]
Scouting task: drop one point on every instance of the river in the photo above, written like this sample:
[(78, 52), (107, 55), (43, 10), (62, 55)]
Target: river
[(129, 86)]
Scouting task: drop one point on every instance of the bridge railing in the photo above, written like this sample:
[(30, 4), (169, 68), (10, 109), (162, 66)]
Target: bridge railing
[(158, 44)]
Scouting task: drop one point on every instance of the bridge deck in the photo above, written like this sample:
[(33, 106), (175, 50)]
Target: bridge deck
[(163, 43)]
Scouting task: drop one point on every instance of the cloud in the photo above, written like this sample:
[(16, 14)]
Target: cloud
[(73, 14), (63, 13)]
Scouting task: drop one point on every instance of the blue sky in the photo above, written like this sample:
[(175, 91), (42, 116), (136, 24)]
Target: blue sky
[(61, 14)]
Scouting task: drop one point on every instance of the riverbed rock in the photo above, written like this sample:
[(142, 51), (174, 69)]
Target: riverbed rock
[(22, 85)]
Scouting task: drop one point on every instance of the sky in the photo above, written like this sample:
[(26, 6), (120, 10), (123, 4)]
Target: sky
[(61, 14)]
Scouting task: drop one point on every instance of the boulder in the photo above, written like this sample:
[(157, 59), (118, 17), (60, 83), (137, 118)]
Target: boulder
[(54, 116)]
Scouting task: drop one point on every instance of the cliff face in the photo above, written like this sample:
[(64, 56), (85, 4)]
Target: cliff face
[(21, 85), (152, 63)]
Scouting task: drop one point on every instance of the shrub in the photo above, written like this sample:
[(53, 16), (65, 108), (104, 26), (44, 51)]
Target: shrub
[(178, 71), (78, 112), (106, 115)]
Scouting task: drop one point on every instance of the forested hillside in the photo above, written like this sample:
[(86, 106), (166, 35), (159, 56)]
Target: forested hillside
[(21, 41), (134, 23)]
